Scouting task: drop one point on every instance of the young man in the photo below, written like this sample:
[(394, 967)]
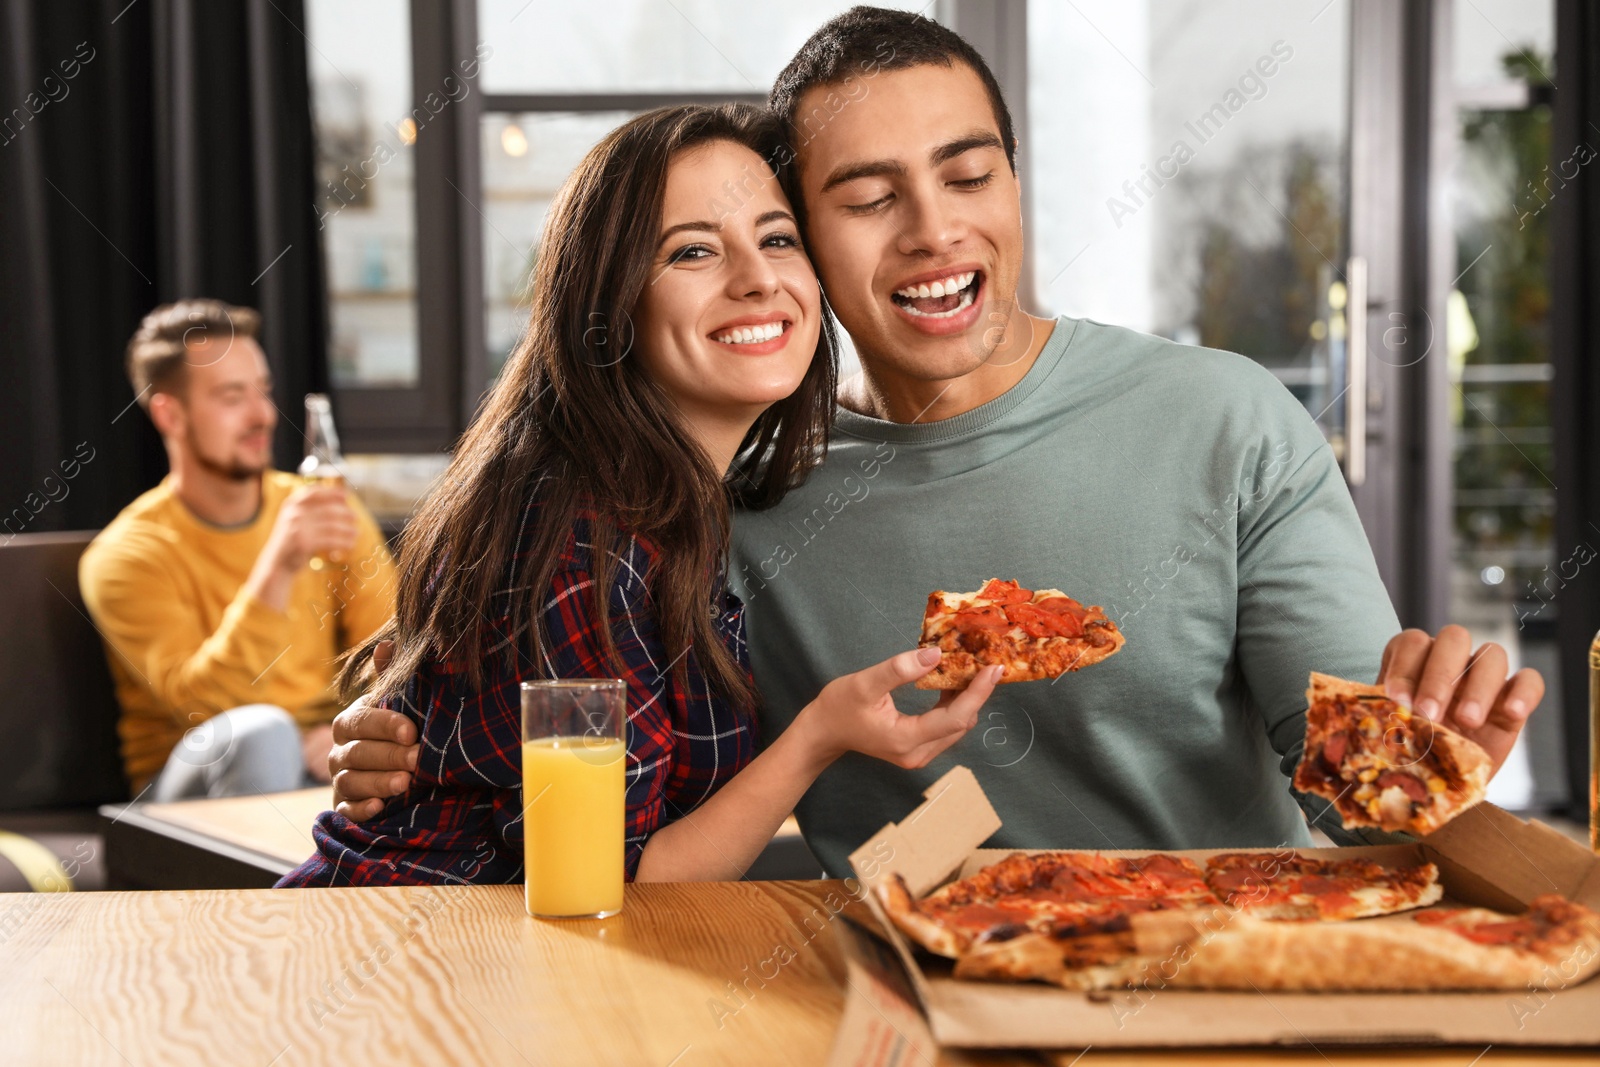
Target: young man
[(1182, 488), (221, 634)]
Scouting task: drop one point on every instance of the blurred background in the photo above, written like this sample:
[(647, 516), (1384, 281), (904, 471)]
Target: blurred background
[(1388, 203)]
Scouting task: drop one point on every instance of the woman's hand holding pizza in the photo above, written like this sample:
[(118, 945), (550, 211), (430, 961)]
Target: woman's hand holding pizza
[(1443, 679), (857, 713)]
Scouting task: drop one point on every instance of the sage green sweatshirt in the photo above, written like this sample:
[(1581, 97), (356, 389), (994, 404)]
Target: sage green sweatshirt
[(1184, 490)]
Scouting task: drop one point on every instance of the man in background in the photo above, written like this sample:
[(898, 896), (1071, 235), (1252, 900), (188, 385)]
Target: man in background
[(226, 593)]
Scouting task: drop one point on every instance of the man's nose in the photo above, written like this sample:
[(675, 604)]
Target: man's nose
[(929, 225)]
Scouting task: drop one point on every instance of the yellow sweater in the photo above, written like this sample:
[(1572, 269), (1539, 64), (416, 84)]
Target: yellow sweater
[(184, 639)]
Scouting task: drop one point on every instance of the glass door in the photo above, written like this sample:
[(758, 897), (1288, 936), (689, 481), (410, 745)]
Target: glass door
[(1506, 571)]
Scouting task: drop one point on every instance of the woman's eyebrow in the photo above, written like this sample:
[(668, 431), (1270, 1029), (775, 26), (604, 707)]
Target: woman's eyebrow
[(708, 227), (716, 227)]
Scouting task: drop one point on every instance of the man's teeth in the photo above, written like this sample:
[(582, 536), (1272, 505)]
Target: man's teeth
[(966, 302), (943, 287), (751, 335)]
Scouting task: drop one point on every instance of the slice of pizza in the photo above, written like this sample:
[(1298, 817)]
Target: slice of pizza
[(1381, 765), (1554, 944), (1287, 885), (1034, 635), (1562, 935), (1066, 896)]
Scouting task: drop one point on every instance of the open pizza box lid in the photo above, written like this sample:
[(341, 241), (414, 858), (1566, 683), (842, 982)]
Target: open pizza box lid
[(1486, 857)]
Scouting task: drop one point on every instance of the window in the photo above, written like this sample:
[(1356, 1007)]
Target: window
[(360, 59), (1188, 175)]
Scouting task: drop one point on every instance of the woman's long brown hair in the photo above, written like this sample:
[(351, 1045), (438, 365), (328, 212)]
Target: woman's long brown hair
[(575, 422)]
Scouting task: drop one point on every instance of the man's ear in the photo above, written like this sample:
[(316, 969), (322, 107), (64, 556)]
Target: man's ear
[(166, 411)]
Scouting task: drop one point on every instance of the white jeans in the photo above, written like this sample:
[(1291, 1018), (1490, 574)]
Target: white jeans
[(249, 749)]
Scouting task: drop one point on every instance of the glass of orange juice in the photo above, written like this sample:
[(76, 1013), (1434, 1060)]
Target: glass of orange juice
[(573, 757)]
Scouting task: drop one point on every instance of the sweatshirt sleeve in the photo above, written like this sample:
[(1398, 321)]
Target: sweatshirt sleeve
[(368, 594), (149, 625), (1309, 597)]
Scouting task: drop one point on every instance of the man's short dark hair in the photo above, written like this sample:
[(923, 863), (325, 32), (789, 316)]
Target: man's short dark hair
[(156, 352), (867, 40)]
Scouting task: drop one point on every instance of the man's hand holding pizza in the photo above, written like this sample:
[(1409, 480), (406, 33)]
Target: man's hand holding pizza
[(1443, 679)]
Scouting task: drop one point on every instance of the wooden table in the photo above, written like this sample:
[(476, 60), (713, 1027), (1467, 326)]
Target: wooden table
[(250, 842), (224, 843), (455, 974)]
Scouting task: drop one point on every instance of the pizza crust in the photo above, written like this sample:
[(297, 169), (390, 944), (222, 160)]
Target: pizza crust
[(957, 669), (1219, 950), (902, 910), (1372, 955)]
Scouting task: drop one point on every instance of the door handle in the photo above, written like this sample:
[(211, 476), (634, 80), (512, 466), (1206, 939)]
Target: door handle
[(1355, 383)]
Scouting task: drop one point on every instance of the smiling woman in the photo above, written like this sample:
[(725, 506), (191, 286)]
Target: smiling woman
[(677, 360), (733, 311)]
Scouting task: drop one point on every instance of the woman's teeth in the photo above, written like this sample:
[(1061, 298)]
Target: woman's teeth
[(751, 335), (942, 287)]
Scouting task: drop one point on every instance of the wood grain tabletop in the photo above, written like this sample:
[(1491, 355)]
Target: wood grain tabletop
[(712, 973)]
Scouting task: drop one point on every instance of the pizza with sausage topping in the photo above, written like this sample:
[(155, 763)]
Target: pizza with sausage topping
[(1032, 634), (1383, 766)]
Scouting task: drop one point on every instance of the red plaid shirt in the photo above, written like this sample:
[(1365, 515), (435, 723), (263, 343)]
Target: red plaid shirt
[(461, 819)]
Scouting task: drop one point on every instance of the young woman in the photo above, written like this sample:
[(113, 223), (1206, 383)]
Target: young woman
[(677, 360)]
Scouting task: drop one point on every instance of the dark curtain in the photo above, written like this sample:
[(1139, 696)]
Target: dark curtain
[(149, 151), (1575, 345)]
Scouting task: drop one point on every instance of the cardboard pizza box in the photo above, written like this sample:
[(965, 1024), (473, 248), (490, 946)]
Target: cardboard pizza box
[(1486, 857)]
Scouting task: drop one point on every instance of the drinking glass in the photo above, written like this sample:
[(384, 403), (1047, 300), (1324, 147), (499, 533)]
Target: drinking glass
[(573, 757)]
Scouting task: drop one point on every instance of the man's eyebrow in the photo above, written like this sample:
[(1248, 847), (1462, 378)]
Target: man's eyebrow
[(890, 168), (976, 139), (876, 168)]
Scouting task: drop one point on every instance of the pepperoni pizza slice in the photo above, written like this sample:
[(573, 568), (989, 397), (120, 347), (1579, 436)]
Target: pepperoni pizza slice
[(1287, 885), (1033, 635), (1383, 766), (1081, 899)]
